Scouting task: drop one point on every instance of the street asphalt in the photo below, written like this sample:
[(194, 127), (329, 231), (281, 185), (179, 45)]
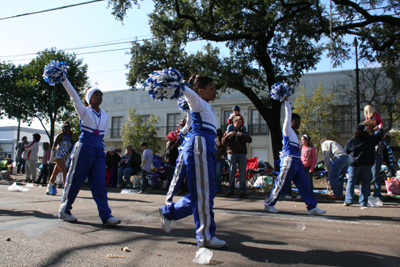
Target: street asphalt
[(32, 235)]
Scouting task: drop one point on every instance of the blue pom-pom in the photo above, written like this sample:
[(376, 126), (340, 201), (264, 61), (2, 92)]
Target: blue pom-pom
[(166, 83), (280, 90), (183, 104), (55, 72)]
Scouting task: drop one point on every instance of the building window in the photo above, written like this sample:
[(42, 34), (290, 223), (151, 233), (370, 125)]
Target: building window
[(146, 119), (118, 100), (224, 124), (116, 124), (258, 125), (345, 123), (172, 121)]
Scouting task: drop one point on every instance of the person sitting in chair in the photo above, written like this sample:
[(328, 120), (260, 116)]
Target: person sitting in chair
[(129, 165)]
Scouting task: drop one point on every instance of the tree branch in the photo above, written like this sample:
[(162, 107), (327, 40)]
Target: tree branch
[(40, 119)]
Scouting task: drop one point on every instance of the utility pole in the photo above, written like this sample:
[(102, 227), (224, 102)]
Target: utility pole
[(355, 43)]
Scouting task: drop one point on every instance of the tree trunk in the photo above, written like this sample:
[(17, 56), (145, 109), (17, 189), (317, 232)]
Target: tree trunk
[(52, 123), (272, 117)]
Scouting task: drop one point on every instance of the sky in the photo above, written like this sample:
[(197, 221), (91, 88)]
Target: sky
[(85, 25)]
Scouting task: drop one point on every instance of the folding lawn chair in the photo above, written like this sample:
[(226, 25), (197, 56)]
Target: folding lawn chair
[(251, 167)]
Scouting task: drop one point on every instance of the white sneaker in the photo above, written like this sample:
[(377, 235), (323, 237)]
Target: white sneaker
[(165, 223), (271, 209), (112, 221), (316, 211), (215, 243), (49, 186), (288, 196), (298, 197), (67, 217)]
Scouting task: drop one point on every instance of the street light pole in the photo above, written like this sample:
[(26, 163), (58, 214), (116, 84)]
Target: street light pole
[(355, 43)]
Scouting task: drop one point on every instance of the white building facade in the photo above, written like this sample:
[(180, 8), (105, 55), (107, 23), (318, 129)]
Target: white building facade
[(8, 139)]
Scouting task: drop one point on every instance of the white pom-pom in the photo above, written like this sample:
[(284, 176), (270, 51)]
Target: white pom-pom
[(166, 83), (280, 90), (55, 72)]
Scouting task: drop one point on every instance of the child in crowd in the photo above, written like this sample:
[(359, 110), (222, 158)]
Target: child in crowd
[(146, 167), (45, 164), (30, 155), (309, 158), (292, 167), (61, 150), (199, 162), (88, 158), (235, 112), (371, 114)]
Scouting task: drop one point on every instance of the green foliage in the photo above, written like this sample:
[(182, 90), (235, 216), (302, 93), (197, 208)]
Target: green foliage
[(13, 96), (317, 115), (269, 41), (135, 131), (376, 89), (74, 122), (32, 97)]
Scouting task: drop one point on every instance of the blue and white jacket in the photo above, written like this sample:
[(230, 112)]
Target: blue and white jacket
[(203, 118), (291, 143), (89, 119)]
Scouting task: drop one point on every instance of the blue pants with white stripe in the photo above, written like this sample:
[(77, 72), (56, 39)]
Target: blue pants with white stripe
[(292, 169), (86, 161), (198, 161), (177, 179)]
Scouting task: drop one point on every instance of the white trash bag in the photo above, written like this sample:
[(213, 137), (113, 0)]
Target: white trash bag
[(59, 179), (203, 256), (15, 188), (374, 201)]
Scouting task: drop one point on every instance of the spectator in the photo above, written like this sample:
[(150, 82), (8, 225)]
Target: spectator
[(112, 162), (291, 167), (337, 170), (61, 151), (388, 158), (20, 159), (45, 164), (220, 161), (235, 112), (376, 169), (146, 167), (171, 154), (309, 158), (129, 165), (371, 114), (237, 150), (360, 149), (31, 155)]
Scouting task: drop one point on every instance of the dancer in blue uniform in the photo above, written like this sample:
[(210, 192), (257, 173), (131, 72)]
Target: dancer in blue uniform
[(292, 169), (88, 158), (61, 150), (198, 162)]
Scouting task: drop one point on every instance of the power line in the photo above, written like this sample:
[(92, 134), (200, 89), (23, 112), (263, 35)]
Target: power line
[(106, 43), (52, 9)]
